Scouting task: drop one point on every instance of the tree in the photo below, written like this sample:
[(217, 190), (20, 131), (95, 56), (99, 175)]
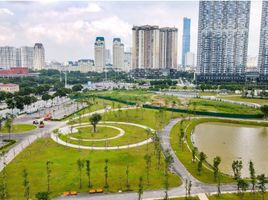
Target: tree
[(264, 110), (88, 172), (127, 179), (194, 150), (216, 163), (48, 166), (26, 184), (202, 158), (42, 196), (77, 88), (148, 161), (80, 165), (242, 186), (237, 167), (46, 97), (9, 124), (106, 185), (140, 190), (261, 184), (168, 161), (188, 187), (94, 120), (2, 119), (252, 175), (11, 104)]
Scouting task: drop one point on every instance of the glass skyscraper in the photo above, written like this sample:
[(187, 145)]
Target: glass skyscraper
[(186, 38), (263, 51), (222, 40)]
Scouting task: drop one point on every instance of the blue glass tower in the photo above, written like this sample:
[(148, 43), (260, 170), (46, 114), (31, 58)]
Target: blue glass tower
[(186, 37)]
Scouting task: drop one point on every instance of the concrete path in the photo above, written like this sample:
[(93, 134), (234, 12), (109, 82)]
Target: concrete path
[(202, 196)]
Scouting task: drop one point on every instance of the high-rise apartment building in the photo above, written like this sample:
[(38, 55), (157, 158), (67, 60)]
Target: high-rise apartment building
[(186, 38), (263, 51), (189, 59), (127, 61), (108, 59), (8, 57), (118, 54), (145, 47), (99, 51), (168, 48), (38, 56), (25, 58), (222, 40)]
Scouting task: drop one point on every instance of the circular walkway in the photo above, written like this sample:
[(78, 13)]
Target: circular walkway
[(67, 129)]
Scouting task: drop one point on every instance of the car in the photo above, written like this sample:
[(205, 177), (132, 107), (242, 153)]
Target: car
[(41, 124)]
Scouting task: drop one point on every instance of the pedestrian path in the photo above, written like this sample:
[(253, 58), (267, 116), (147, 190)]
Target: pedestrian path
[(202, 196)]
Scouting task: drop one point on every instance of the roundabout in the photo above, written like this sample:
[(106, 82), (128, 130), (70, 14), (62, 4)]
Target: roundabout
[(65, 137)]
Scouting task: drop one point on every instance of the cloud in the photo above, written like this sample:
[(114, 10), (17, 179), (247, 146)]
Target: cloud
[(91, 8), (5, 11)]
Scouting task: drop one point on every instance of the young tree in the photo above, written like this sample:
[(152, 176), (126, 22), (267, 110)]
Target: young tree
[(94, 120), (264, 110), (42, 196), (242, 186), (9, 124), (140, 190), (182, 135), (261, 184), (168, 161), (148, 161), (88, 172), (237, 167), (194, 150), (216, 163), (2, 119), (127, 179), (252, 175), (26, 184), (106, 185), (80, 165), (48, 165), (202, 158)]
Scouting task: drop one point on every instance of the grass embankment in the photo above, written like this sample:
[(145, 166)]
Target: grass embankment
[(185, 155), (65, 173), (219, 106), (247, 196), (18, 128)]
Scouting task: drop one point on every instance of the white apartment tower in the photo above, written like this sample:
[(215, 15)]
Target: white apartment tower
[(118, 54), (38, 56), (8, 57), (100, 52), (145, 47), (26, 57), (168, 48)]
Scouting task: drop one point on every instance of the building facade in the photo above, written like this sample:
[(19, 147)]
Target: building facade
[(8, 57), (118, 54), (189, 60), (186, 38), (168, 48), (263, 48), (99, 54), (38, 56), (26, 57), (222, 40), (127, 61), (9, 88), (145, 47)]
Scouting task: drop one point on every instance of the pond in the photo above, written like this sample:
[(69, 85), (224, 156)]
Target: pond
[(233, 142)]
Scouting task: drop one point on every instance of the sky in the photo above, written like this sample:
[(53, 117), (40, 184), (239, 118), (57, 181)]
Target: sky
[(68, 29)]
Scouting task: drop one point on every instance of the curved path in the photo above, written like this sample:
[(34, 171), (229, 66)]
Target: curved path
[(57, 139)]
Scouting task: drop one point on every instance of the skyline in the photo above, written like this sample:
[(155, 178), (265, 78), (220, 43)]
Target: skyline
[(68, 29)]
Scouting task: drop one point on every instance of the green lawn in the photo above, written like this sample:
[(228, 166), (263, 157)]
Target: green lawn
[(18, 128), (247, 196), (218, 106), (102, 132), (250, 100), (65, 174)]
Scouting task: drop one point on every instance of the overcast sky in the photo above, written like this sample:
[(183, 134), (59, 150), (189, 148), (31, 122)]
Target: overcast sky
[(68, 29)]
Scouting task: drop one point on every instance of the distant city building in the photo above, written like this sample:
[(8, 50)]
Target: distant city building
[(263, 51), (222, 40), (99, 54), (127, 61), (145, 47), (25, 57), (252, 61), (108, 59), (190, 59), (118, 54), (55, 66), (9, 87), (82, 65), (186, 38), (168, 48), (16, 72), (38, 56), (8, 57)]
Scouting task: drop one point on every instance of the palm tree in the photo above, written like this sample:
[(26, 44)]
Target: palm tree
[(252, 175), (80, 165), (140, 190), (94, 120), (216, 163), (202, 158)]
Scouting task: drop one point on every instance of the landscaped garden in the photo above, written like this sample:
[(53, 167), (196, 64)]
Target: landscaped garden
[(65, 165)]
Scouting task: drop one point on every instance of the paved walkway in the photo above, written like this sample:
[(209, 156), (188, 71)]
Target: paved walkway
[(202, 196)]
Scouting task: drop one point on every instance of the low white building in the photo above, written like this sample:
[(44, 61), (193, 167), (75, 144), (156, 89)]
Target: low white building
[(9, 87)]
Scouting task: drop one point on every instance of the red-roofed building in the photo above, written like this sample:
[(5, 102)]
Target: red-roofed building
[(16, 72), (9, 87)]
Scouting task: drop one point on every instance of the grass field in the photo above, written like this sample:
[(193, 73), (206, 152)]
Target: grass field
[(218, 106), (18, 128), (102, 132), (247, 196), (250, 100), (65, 173)]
